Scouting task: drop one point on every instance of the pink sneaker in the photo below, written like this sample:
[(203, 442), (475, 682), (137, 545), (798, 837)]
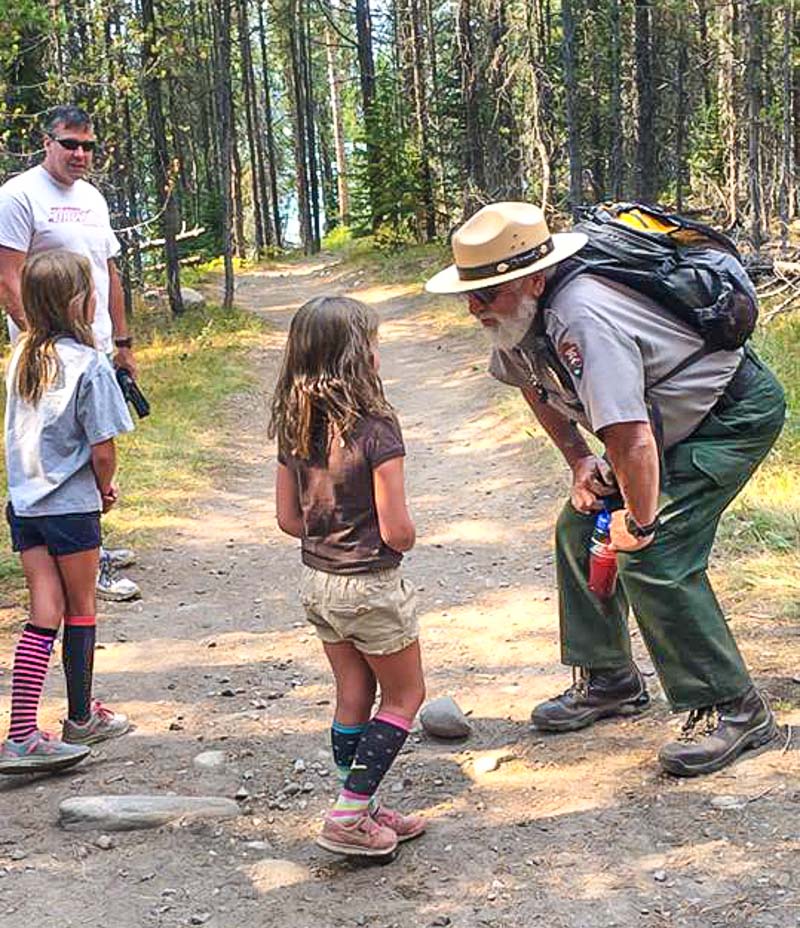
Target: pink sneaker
[(405, 827), (40, 752), (362, 838)]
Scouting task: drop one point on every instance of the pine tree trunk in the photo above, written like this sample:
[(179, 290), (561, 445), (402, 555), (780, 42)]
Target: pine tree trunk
[(165, 183), (472, 135), (221, 14), (120, 169), (337, 123), (297, 84), (535, 62), (421, 121), (795, 179), (616, 179), (704, 47), (571, 104), (787, 168), (242, 18), (308, 96), (645, 179), (366, 70), (240, 240), (269, 131), (728, 116), (754, 93), (501, 139), (681, 106)]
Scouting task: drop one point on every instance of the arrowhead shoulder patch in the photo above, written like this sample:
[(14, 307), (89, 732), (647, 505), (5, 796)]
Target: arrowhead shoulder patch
[(571, 355)]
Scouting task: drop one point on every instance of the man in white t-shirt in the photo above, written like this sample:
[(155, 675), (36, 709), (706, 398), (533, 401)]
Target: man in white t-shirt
[(52, 206)]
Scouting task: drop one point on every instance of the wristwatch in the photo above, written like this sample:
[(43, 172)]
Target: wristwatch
[(126, 342), (640, 531)]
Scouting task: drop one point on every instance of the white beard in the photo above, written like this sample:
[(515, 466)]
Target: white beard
[(510, 330)]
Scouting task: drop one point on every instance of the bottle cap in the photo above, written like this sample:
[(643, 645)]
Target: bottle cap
[(603, 521)]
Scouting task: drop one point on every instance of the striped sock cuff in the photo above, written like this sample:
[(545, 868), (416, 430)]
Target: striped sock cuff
[(350, 805), (391, 719), (39, 630), (348, 729), (80, 621)]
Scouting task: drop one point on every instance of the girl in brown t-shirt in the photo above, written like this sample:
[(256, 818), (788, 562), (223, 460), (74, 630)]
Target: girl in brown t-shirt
[(340, 489)]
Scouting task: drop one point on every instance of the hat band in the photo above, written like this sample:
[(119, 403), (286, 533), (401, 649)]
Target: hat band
[(514, 263)]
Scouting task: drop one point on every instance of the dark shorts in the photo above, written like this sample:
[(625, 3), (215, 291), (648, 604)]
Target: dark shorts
[(63, 534)]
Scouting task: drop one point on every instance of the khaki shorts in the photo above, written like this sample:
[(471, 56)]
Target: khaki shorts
[(376, 612)]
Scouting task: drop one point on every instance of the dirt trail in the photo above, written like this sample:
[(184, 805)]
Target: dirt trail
[(575, 830)]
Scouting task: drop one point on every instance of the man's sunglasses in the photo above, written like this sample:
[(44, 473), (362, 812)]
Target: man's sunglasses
[(485, 295), (74, 144)]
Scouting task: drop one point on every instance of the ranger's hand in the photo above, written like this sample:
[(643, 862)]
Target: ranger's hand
[(591, 480), (621, 538)]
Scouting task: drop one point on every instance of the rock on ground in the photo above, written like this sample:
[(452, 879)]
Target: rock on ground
[(128, 813), (210, 760), (192, 298), (443, 718)]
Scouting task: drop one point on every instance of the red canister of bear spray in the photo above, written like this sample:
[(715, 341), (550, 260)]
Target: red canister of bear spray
[(602, 558)]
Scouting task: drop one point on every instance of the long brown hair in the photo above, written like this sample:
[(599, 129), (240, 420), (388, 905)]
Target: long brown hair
[(328, 374), (56, 294)]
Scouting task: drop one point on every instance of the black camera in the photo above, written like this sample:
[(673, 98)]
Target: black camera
[(132, 393)]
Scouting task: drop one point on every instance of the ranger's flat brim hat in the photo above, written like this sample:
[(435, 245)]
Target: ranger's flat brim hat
[(501, 242)]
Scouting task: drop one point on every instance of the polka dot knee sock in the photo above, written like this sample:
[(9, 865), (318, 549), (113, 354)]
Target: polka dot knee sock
[(377, 748)]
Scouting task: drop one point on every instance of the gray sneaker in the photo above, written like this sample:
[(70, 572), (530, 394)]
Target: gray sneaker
[(119, 557), (40, 752), (111, 587), (101, 725)]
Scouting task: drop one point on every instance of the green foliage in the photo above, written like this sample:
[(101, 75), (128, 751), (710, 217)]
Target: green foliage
[(338, 238)]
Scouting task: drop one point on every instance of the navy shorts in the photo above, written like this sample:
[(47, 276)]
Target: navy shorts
[(62, 534)]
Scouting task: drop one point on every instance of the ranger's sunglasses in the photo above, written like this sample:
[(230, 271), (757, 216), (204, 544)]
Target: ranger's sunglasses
[(485, 295)]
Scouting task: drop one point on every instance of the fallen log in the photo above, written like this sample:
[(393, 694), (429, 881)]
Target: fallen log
[(787, 268)]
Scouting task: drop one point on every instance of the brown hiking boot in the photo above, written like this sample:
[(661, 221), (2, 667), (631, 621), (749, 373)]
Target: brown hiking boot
[(714, 736), (595, 694), (363, 837)]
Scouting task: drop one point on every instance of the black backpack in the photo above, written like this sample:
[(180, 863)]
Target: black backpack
[(685, 266)]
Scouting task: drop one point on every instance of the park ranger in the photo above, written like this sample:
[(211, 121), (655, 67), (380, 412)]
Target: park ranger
[(582, 360)]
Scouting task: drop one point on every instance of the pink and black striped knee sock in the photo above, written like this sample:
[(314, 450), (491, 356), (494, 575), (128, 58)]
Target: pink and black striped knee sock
[(78, 660), (31, 660), (377, 748)]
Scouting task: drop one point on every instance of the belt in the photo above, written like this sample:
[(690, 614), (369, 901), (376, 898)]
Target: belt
[(739, 384)]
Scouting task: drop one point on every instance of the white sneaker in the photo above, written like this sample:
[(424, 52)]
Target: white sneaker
[(113, 588), (120, 557), (101, 725)]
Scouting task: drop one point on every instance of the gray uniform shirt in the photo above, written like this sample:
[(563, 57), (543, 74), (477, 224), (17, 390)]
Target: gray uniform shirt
[(49, 445), (615, 341)]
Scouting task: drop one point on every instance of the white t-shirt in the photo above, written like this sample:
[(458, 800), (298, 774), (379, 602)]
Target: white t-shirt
[(49, 445), (37, 213)]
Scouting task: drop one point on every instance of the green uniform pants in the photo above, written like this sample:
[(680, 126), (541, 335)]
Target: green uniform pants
[(666, 584)]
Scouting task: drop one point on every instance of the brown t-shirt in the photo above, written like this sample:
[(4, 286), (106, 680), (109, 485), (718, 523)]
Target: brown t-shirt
[(340, 521)]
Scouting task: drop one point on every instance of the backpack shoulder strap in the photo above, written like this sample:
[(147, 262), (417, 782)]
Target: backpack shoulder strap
[(681, 366)]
